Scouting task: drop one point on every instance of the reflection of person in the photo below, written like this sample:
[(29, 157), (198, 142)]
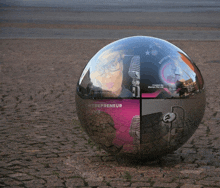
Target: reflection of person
[(174, 74), (135, 131), (108, 75)]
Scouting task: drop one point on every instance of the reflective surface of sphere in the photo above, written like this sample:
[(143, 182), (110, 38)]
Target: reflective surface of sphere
[(140, 96)]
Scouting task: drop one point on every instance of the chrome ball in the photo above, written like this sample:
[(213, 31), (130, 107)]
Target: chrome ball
[(140, 96)]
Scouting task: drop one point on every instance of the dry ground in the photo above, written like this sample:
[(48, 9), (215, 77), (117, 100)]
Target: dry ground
[(42, 145)]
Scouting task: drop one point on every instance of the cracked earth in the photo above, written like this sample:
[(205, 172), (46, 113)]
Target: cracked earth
[(43, 145)]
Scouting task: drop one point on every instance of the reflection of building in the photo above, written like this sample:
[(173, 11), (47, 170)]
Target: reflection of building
[(187, 86), (135, 131)]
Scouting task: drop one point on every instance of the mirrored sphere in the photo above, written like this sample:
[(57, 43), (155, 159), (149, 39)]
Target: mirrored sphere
[(140, 96)]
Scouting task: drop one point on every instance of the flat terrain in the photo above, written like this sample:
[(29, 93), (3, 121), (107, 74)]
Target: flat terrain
[(121, 5), (88, 22), (44, 47), (42, 144)]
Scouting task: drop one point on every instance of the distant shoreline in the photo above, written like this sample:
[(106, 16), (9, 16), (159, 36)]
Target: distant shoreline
[(96, 26), (118, 5)]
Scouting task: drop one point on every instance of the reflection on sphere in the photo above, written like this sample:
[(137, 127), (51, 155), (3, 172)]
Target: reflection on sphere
[(140, 96)]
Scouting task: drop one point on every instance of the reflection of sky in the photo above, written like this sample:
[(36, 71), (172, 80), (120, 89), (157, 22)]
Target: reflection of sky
[(84, 73), (187, 71), (176, 66)]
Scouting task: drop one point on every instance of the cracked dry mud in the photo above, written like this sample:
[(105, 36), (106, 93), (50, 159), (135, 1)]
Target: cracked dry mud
[(43, 145)]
